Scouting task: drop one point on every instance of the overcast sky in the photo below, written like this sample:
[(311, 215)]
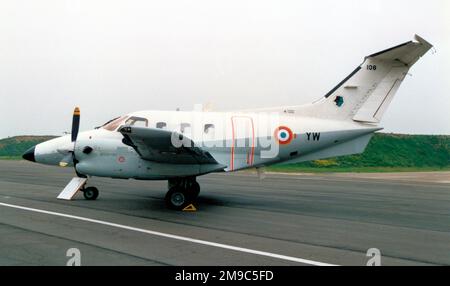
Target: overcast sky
[(115, 57)]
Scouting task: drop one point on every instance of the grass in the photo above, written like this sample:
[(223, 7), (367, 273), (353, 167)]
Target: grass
[(10, 157), (12, 148)]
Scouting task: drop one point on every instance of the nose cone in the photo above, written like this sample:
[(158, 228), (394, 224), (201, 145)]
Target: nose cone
[(29, 154)]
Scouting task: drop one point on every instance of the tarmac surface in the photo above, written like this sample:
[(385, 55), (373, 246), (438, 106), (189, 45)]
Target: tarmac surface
[(305, 219)]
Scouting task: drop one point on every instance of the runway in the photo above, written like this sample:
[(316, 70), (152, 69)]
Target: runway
[(241, 220)]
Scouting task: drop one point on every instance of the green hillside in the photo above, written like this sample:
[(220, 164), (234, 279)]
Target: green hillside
[(385, 152), (14, 147)]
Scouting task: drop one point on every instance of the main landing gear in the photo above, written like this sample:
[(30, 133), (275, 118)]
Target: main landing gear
[(182, 192)]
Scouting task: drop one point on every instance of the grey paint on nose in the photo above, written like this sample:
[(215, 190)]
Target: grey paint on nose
[(29, 154)]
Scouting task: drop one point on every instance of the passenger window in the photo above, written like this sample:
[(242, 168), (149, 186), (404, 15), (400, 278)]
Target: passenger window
[(161, 125), (137, 121), (185, 128), (209, 130)]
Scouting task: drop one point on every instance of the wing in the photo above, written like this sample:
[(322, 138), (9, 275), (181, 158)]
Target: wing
[(155, 144)]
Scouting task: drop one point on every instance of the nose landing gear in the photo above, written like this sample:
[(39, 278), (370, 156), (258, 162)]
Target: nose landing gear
[(182, 192), (75, 185), (90, 193)]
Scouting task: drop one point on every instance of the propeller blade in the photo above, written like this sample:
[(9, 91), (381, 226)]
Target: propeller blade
[(66, 160), (75, 124)]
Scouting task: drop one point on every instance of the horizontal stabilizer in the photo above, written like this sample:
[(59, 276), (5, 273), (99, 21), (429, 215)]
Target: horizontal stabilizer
[(407, 53)]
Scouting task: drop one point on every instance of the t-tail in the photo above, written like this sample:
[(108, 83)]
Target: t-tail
[(364, 95)]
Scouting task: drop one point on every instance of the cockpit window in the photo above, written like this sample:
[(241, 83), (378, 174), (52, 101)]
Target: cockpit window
[(114, 123), (137, 121), (185, 128), (161, 125)]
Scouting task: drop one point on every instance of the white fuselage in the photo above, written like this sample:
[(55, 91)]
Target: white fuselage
[(236, 140)]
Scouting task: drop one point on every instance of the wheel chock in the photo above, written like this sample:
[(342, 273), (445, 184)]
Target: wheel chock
[(190, 208)]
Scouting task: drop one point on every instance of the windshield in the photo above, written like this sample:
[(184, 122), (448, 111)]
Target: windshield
[(114, 123)]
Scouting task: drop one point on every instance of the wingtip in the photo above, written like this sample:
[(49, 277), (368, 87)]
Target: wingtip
[(419, 39)]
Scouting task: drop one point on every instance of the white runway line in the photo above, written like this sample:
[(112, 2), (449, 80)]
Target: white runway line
[(172, 236)]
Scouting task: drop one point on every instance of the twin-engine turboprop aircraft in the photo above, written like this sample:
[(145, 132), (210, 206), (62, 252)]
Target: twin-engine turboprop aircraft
[(179, 146)]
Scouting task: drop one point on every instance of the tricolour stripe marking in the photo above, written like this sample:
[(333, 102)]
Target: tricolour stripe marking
[(250, 159), (172, 236)]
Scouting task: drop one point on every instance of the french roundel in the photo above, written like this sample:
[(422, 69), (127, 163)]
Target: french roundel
[(284, 135)]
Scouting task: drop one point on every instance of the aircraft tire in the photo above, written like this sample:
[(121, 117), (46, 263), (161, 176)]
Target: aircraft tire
[(177, 198), (90, 193)]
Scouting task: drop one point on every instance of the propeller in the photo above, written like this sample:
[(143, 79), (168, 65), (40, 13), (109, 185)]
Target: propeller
[(75, 123), (70, 157)]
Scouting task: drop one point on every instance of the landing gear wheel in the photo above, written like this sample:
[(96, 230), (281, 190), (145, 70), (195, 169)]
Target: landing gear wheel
[(90, 193), (194, 191), (177, 198)]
